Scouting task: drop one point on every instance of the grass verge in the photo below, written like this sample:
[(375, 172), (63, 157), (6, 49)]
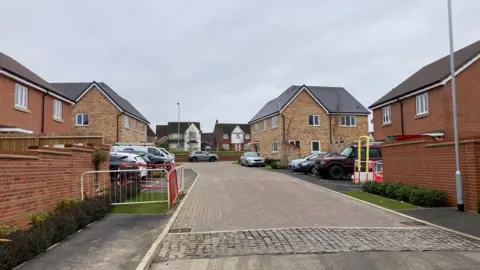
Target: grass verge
[(144, 208), (236, 163), (380, 201)]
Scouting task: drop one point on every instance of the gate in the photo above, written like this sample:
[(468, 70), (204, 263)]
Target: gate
[(162, 183)]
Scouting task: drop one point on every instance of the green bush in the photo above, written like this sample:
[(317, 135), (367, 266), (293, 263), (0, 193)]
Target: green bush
[(274, 165), (24, 245), (392, 189), (38, 217), (403, 193), (65, 203), (367, 186), (435, 198), (376, 188), (417, 196), (5, 230)]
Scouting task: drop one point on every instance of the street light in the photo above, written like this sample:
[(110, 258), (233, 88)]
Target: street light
[(178, 122), (458, 174)]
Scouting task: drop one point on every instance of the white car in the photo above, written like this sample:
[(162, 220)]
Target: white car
[(294, 164), (159, 152), (142, 164)]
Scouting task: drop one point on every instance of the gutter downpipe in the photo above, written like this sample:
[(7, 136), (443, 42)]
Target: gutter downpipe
[(43, 112), (401, 114), (118, 128)]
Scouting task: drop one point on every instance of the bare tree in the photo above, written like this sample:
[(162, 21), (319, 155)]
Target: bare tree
[(286, 148)]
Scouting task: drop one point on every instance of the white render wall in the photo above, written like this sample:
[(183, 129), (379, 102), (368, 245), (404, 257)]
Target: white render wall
[(192, 128), (234, 139)]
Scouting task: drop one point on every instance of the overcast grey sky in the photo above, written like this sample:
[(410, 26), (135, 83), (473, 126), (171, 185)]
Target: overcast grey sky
[(225, 59)]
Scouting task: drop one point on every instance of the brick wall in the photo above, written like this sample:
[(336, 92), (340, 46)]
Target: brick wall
[(135, 133), (32, 117), (432, 164), (36, 180)]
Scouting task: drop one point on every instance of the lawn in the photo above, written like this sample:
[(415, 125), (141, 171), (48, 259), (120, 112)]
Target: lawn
[(144, 208), (380, 201)]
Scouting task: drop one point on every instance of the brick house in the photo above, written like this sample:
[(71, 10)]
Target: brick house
[(28, 103), (422, 104), (207, 141), (99, 108), (305, 119), (188, 134), (234, 137)]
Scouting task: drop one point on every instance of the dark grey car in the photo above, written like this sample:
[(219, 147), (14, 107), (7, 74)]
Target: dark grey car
[(202, 156)]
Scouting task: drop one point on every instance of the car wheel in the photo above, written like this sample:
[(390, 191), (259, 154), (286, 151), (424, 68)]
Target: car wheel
[(212, 159), (194, 159), (314, 171), (336, 172)]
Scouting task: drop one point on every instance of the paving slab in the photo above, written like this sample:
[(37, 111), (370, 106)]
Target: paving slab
[(229, 197)]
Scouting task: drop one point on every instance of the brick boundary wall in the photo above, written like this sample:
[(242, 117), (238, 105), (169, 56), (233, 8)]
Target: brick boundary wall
[(431, 164), (35, 180)]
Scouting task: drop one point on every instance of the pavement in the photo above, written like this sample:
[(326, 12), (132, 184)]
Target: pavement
[(248, 218)]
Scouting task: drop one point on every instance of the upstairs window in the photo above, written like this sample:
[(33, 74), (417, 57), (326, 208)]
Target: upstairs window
[(264, 125), (386, 115), (422, 104), (192, 135), (255, 127), (238, 135), (21, 96), (82, 119), (57, 109), (126, 121), (225, 136), (274, 122), (247, 136), (314, 120), (348, 121)]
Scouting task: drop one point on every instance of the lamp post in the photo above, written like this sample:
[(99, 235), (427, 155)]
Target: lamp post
[(458, 174), (178, 130)]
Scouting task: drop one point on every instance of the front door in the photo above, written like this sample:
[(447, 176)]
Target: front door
[(255, 147)]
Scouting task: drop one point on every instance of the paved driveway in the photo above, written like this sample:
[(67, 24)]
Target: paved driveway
[(231, 197)]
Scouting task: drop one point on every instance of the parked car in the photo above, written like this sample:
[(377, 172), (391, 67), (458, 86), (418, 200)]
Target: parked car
[(202, 155), (121, 162), (338, 166), (252, 159), (133, 158), (161, 154), (308, 165), (163, 150), (294, 163)]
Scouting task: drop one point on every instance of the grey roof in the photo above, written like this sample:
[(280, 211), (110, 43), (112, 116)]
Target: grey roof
[(207, 137), (12, 66), (162, 130), (432, 73), (172, 127), (75, 90), (334, 99), (228, 127)]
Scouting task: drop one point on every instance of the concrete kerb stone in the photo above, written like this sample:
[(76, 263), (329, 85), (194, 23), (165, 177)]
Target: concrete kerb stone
[(388, 210), (152, 251)]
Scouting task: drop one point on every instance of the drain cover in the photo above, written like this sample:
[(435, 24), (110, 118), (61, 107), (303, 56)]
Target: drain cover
[(413, 223), (181, 230)]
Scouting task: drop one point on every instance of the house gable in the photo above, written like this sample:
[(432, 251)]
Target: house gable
[(237, 129), (304, 89)]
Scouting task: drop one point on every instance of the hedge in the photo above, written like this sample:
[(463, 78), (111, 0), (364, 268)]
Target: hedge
[(57, 226), (420, 196)]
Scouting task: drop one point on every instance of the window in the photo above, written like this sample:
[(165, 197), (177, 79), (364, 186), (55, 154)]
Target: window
[(255, 127), (238, 135), (422, 104), (247, 136), (173, 146), (264, 125), (315, 146), (314, 120), (21, 96), (126, 121), (374, 153), (82, 119), (339, 141), (225, 136), (57, 109), (225, 146), (274, 122), (246, 146), (294, 142), (192, 135), (348, 121), (274, 146), (386, 115)]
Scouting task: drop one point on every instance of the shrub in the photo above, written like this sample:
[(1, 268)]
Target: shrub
[(392, 189), (38, 217), (57, 226), (417, 196), (65, 203), (274, 165), (367, 186), (5, 230), (376, 188), (403, 193)]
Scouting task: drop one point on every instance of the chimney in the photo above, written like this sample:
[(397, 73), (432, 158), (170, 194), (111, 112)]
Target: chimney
[(216, 123)]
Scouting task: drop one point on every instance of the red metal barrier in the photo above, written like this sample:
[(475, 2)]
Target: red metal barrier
[(173, 186)]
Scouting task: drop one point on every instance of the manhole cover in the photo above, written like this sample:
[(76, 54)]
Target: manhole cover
[(413, 223), (181, 230)]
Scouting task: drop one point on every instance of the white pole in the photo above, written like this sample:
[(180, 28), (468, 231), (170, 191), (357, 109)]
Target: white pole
[(458, 174), (178, 130)]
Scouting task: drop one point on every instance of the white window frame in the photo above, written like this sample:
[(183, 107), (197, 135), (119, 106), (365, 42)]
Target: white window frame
[(57, 109), (274, 122), (315, 123), (21, 96), (274, 147), (319, 146), (192, 135), (294, 141), (82, 115), (345, 117), (237, 135), (255, 127), (225, 137), (386, 115), (422, 104), (247, 136), (264, 124), (126, 121)]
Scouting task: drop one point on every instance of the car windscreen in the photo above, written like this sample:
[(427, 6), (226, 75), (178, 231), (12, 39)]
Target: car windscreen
[(252, 154), (347, 151)]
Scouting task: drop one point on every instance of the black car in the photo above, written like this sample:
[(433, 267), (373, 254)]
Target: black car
[(149, 158), (119, 169), (308, 166)]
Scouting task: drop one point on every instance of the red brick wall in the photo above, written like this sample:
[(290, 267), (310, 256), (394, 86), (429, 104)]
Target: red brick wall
[(32, 185), (32, 119), (432, 164)]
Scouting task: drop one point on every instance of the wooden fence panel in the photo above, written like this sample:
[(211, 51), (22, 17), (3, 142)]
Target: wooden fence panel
[(21, 142)]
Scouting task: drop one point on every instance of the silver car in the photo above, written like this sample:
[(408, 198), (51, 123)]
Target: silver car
[(252, 159), (202, 155)]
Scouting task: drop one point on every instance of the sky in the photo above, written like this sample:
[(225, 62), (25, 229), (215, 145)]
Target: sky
[(225, 59)]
